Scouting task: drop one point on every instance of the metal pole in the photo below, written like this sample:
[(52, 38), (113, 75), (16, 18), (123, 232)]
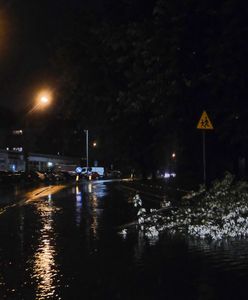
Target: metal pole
[(87, 147), (204, 156)]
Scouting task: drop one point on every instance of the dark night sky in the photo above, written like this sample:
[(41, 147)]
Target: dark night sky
[(27, 29)]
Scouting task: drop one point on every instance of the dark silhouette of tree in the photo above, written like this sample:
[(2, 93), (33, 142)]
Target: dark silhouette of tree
[(143, 82)]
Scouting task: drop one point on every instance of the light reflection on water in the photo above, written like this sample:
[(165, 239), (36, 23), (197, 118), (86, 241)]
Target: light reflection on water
[(68, 263), (89, 186), (95, 192), (45, 270), (139, 247), (78, 206), (88, 203), (95, 214)]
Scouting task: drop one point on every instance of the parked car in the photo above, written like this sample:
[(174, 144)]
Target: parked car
[(55, 176)]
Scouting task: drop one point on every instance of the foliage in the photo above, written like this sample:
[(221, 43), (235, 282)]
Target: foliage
[(219, 213), (142, 83)]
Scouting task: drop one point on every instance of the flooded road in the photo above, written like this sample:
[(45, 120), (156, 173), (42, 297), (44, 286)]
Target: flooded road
[(63, 243)]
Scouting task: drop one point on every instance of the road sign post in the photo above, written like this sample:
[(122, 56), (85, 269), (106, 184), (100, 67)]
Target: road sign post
[(204, 155), (204, 124)]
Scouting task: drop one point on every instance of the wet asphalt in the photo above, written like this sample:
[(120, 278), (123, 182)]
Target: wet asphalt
[(63, 242)]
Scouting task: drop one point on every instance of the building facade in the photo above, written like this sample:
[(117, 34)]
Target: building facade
[(13, 161)]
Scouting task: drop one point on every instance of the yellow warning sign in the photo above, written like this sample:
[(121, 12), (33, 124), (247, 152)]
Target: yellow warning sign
[(205, 122)]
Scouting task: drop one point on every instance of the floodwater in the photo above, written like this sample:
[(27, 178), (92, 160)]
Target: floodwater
[(63, 243)]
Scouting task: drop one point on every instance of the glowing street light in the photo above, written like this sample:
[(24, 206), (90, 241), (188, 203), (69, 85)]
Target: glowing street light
[(94, 144), (44, 100)]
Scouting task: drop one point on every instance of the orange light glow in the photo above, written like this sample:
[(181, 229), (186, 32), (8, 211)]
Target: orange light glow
[(43, 99)]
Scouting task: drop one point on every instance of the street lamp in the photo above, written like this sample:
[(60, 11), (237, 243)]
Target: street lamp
[(86, 131), (173, 162), (42, 100)]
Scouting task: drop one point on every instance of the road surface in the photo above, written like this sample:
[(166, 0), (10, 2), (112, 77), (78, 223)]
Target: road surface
[(62, 242)]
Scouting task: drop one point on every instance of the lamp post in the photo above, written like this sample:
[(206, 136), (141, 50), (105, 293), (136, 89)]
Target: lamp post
[(86, 131), (172, 163), (42, 100)]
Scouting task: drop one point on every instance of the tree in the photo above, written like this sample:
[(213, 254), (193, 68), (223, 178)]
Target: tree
[(142, 83)]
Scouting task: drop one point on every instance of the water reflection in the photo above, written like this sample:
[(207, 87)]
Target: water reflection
[(153, 240), (100, 190), (139, 247), (89, 187), (94, 224), (49, 198), (94, 191), (78, 205), (96, 263), (225, 254), (45, 269)]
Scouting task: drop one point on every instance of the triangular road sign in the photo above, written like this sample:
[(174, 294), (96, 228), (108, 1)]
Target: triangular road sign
[(204, 122)]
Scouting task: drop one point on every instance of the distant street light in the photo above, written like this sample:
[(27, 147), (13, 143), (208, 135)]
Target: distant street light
[(173, 162), (94, 144)]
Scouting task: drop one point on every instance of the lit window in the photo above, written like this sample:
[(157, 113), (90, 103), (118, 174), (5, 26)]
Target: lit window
[(18, 149), (17, 132)]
